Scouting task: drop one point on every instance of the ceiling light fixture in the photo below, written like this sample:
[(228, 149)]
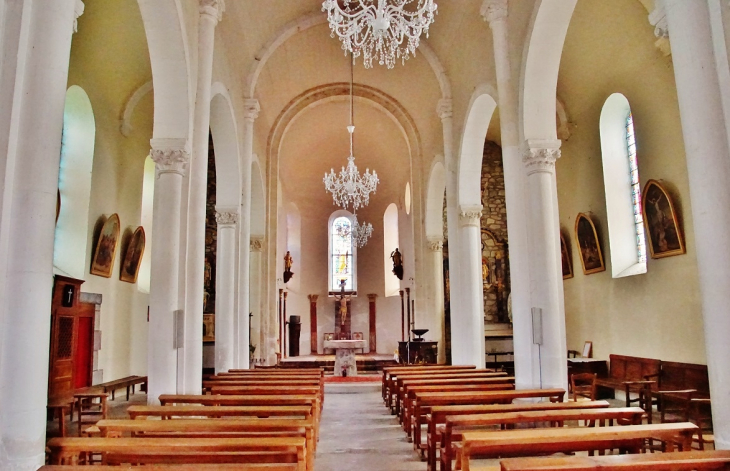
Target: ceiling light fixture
[(360, 232), (378, 28)]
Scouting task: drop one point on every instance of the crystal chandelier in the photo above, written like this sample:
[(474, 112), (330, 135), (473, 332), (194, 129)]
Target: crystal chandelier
[(360, 232), (379, 31), (349, 187)]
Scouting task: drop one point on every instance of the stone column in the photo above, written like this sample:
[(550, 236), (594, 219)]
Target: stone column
[(546, 276), (436, 324), (29, 217), (467, 323), (527, 371), (708, 166), (171, 157), (225, 308), (251, 112), (445, 111), (211, 12)]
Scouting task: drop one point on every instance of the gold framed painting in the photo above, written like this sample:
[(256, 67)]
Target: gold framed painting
[(208, 327), (106, 247), (589, 247), (663, 232), (565, 258), (133, 256)]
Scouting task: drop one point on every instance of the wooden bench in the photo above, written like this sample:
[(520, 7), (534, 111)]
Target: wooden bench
[(456, 426), (679, 461), (630, 374), (423, 402), (436, 420), (562, 440), (169, 412), (401, 380), (272, 381), (392, 380), (126, 382), (177, 450), (388, 370), (179, 467), (59, 407), (202, 428)]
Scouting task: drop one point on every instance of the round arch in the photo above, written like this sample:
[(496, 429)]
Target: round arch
[(435, 195), (469, 174)]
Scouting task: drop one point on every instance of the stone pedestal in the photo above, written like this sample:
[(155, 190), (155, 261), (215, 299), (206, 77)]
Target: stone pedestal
[(345, 355)]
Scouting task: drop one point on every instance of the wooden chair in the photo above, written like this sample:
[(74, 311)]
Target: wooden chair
[(700, 416), (584, 385)]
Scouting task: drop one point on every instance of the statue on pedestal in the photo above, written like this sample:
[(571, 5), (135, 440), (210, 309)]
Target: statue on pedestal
[(397, 258), (288, 261)]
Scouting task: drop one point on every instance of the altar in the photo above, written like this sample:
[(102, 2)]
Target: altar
[(345, 355)]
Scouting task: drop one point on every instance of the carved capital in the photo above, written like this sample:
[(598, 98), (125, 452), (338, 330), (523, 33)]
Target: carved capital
[(658, 19), (257, 244), (226, 218), (494, 10), (539, 156), (445, 108), (213, 8), (401, 292), (285, 293), (170, 155), (470, 215), (372, 297), (251, 108), (435, 244), (313, 298), (78, 11)]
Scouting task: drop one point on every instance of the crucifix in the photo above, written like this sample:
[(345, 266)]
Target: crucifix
[(343, 302)]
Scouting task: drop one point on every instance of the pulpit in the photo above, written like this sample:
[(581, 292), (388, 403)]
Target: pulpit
[(345, 362)]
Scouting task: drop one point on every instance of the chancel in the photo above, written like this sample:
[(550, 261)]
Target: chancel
[(277, 209)]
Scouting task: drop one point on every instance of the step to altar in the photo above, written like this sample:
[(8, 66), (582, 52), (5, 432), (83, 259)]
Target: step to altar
[(365, 362)]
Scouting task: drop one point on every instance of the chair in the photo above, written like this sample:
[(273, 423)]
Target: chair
[(584, 385), (700, 415)]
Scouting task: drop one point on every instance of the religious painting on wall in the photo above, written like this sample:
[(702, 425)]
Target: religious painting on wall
[(133, 256), (106, 246), (565, 257), (662, 226), (590, 249), (208, 327)]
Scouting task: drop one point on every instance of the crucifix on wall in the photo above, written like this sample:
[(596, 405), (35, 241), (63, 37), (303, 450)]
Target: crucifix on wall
[(343, 314)]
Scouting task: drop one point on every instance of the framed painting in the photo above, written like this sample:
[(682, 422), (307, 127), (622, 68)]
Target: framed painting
[(591, 257), (106, 247), (133, 256), (663, 234), (565, 258), (208, 327)]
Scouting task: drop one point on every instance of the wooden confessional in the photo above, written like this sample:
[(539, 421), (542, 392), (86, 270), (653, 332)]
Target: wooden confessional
[(72, 338)]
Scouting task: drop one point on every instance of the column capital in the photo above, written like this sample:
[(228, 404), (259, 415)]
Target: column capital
[(445, 108), (658, 19), (251, 108), (256, 244), (170, 155), (371, 297), (78, 11), (226, 218), (494, 10), (470, 215), (313, 298), (213, 9), (401, 292), (436, 244), (539, 155), (285, 293)]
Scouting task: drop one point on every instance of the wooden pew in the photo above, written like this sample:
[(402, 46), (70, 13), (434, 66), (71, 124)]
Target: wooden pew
[(437, 418), (679, 461), (168, 412), (179, 467), (388, 370), (602, 416), (392, 382), (268, 379), (408, 402), (126, 382), (270, 382), (202, 428), (178, 450), (463, 376), (265, 390), (423, 402), (556, 440)]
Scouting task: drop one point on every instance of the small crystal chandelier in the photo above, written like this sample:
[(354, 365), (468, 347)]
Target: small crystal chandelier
[(360, 232), (349, 188), (379, 31)]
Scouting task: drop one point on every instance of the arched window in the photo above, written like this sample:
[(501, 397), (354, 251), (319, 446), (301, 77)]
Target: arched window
[(391, 241), (74, 185), (342, 254), (623, 188), (148, 197)]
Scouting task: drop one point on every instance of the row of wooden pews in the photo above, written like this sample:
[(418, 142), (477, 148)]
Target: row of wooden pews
[(468, 413), (247, 420)]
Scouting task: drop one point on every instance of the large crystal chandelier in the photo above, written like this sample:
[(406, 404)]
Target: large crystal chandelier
[(349, 187), (378, 31)]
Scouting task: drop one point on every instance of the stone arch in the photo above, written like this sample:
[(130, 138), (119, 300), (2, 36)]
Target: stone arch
[(479, 114), (164, 26), (435, 195), (317, 18), (544, 47), (223, 126)]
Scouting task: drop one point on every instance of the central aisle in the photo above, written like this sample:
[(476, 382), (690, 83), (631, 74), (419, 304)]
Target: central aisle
[(358, 433)]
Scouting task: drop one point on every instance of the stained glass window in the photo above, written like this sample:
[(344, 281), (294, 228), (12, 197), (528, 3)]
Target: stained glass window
[(342, 263), (635, 188)]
